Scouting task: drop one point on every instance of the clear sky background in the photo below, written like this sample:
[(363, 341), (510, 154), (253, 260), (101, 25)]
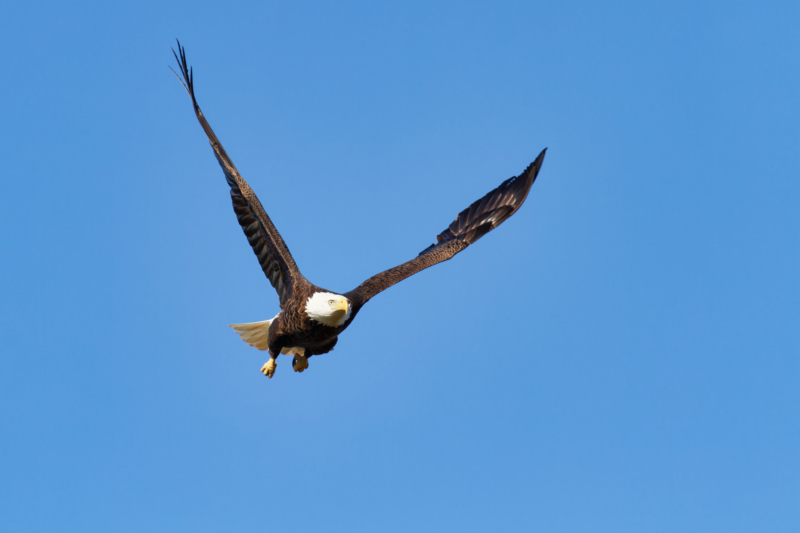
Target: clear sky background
[(619, 356)]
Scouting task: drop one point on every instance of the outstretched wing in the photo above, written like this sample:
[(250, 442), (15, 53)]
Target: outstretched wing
[(273, 255), (470, 225)]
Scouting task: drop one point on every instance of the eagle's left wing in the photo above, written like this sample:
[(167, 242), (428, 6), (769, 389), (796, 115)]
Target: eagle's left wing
[(470, 225)]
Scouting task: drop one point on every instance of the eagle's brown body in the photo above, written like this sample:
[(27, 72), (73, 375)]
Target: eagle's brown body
[(292, 328), (295, 329)]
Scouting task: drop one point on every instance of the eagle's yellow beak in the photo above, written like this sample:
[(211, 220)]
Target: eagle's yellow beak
[(341, 305)]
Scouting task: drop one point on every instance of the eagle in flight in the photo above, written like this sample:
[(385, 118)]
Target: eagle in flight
[(311, 318)]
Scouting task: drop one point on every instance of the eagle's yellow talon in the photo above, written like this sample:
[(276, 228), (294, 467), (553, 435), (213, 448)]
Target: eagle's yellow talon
[(300, 363), (269, 368)]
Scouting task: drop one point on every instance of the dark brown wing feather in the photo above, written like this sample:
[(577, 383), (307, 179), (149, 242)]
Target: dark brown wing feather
[(273, 255), (470, 225)]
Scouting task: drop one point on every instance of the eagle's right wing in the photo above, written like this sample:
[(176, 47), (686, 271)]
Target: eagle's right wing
[(470, 225), (273, 255)]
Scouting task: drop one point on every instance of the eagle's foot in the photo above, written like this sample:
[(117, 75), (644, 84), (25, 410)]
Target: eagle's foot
[(300, 363), (269, 368)]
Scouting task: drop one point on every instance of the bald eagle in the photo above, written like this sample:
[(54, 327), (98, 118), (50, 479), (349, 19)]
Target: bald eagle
[(311, 318)]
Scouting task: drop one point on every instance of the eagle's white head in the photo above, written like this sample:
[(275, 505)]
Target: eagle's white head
[(326, 308)]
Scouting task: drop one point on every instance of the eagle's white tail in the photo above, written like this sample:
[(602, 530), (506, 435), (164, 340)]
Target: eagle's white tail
[(255, 333)]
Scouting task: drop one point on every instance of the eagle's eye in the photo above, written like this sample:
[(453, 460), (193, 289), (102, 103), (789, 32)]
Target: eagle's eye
[(330, 302)]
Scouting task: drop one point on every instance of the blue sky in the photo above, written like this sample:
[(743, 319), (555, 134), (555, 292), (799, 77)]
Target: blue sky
[(621, 355)]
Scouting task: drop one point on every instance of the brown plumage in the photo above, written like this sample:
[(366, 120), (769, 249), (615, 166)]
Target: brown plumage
[(311, 317)]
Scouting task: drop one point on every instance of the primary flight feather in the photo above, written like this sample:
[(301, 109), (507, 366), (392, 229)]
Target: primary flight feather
[(311, 318)]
